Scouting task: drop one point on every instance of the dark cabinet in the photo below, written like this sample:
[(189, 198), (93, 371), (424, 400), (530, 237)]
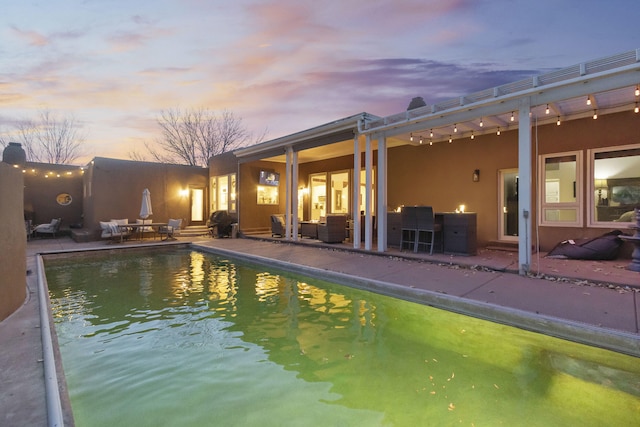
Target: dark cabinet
[(460, 236)]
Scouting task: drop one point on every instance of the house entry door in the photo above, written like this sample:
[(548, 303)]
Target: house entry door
[(508, 208), (197, 206)]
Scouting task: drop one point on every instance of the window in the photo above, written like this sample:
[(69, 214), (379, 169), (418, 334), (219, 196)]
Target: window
[(614, 185), (560, 189), (340, 192)]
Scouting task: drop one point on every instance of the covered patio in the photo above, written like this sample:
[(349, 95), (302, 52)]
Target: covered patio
[(574, 97)]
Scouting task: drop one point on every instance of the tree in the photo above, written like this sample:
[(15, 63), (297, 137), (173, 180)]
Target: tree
[(50, 138), (193, 136)]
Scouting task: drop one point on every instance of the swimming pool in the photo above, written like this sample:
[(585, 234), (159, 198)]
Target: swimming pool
[(184, 338)]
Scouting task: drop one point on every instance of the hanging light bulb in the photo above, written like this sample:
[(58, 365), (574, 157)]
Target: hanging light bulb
[(481, 123), (498, 133), (472, 136), (637, 109), (558, 122), (411, 138), (595, 114), (512, 116), (637, 90), (455, 128), (450, 139), (547, 110), (430, 142), (431, 133), (588, 100), (420, 139)]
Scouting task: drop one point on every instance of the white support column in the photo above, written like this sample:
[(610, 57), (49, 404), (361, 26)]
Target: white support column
[(287, 203), (294, 196), (357, 166), (381, 209), (368, 161), (524, 187)]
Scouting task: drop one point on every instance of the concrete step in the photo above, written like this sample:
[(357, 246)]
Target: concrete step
[(194, 231)]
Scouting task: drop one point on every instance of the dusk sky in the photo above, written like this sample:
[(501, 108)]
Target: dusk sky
[(281, 65)]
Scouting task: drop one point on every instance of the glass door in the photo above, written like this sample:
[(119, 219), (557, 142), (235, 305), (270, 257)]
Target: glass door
[(197, 206), (318, 196), (508, 208)]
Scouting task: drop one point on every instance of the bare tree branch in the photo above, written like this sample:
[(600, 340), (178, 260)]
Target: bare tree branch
[(193, 136), (50, 138)]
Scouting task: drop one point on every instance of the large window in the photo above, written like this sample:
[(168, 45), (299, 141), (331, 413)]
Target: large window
[(614, 185), (560, 189)]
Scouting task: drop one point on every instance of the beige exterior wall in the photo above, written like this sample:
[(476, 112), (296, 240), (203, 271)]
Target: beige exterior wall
[(113, 189), (441, 175), (13, 238)]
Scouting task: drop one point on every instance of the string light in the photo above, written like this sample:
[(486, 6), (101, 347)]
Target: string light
[(411, 138), (472, 136), (481, 122), (450, 139), (512, 116), (431, 133), (637, 90), (420, 139), (498, 133), (558, 122), (547, 110), (455, 128), (637, 109), (595, 114), (430, 142), (588, 100)]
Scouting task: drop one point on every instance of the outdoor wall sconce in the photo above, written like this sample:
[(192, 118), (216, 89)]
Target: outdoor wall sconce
[(476, 175), (183, 193)]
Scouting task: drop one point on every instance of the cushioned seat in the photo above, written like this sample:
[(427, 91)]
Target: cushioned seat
[(171, 230), (50, 228), (334, 229)]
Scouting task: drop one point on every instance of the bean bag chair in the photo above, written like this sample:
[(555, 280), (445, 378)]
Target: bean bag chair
[(604, 247)]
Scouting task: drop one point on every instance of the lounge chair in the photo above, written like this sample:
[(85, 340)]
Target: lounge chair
[(170, 230), (50, 228), (334, 230)]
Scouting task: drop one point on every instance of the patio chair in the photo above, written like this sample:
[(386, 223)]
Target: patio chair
[(334, 230), (426, 228), (277, 225), (409, 227), (170, 230), (50, 228), (115, 229)]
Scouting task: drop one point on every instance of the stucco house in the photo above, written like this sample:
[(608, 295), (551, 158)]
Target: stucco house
[(538, 161)]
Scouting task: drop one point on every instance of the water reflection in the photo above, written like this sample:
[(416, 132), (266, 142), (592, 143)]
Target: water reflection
[(213, 319)]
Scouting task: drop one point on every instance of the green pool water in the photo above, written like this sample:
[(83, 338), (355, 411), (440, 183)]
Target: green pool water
[(183, 338)]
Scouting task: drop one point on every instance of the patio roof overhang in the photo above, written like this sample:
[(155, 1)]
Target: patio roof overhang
[(609, 85)]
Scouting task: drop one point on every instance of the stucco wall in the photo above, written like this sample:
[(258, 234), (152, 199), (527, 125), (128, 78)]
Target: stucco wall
[(13, 263), (43, 183), (113, 189)]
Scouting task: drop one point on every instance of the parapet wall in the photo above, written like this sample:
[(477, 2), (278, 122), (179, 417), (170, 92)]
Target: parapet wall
[(13, 240)]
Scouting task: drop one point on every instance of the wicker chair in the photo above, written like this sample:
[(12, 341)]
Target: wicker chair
[(334, 230)]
